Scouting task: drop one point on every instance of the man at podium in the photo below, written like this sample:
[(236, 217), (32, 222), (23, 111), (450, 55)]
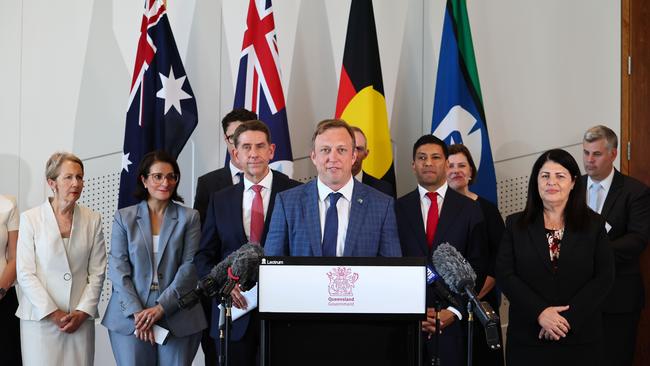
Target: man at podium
[(333, 215)]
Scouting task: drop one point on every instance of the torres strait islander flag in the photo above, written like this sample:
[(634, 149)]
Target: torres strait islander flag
[(360, 100), (162, 110), (259, 88), (458, 115)]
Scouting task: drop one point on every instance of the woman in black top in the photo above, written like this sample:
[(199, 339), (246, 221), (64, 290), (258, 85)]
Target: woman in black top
[(555, 266)]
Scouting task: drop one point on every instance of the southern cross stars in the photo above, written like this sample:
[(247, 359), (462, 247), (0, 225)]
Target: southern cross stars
[(126, 162), (172, 91)]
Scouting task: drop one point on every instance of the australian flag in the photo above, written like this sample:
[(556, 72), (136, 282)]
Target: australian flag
[(259, 88), (458, 115), (162, 110)]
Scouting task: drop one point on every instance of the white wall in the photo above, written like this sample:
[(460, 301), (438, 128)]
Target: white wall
[(548, 70)]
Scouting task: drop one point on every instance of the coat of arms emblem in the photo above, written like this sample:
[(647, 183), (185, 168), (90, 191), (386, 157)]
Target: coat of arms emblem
[(341, 281)]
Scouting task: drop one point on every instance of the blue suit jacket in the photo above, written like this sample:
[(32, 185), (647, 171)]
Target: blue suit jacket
[(223, 233), (131, 261), (295, 224)]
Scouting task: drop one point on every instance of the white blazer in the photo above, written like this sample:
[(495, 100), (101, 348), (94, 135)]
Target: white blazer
[(48, 277)]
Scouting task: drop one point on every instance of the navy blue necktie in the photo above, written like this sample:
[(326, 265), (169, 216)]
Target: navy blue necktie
[(330, 233), (240, 176)]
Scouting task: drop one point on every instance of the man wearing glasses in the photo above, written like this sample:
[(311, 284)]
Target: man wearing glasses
[(361, 147), (231, 173)]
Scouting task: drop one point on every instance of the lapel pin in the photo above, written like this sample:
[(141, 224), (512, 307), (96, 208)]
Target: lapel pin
[(360, 200)]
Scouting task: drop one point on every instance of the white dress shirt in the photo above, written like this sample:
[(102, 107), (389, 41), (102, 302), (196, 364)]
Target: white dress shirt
[(425, 202), (234, 173), (602, 192), (342, 208), (249, 194)]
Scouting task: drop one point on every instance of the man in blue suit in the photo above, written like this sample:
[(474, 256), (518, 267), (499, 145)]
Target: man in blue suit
[(333, 215), (433, 214), (236, 215)]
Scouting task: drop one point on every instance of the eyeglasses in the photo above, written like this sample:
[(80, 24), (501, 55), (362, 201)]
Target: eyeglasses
[(158, 178), (230, 139)]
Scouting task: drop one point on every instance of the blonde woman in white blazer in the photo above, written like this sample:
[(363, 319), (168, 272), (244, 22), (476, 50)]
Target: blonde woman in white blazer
[(60, 263)]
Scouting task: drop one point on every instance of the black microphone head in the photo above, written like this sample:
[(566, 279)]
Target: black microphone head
[(246, 265), (453, 268), (218, 274)]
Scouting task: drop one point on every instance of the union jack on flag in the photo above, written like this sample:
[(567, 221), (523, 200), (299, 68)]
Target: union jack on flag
[(162, 110), (259, 88)]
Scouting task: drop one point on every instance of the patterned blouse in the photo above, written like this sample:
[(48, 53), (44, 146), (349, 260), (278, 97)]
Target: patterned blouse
[(554, 239)]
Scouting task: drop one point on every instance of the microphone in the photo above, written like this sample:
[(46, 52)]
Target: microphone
[(210, 285), (246, 266), (440, 289), (460, 276)]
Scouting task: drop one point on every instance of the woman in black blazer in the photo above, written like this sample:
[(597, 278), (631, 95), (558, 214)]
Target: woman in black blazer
[(555, 266)]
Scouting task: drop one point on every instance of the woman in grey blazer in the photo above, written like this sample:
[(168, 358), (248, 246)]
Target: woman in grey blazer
[(150, 264)]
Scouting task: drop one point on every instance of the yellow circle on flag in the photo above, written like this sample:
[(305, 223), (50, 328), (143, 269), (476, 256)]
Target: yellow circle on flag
[(367, 110)]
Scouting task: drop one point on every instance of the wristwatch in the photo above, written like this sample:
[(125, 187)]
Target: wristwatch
[(3, 292)]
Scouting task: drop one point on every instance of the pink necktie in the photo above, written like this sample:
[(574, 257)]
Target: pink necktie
[(257, 216)]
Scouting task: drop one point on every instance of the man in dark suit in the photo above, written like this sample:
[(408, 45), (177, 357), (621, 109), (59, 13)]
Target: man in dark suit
[(363, 177), (239, 214), (333, 215), (212, 182), (433, 214), (218, 179), (624, 203)]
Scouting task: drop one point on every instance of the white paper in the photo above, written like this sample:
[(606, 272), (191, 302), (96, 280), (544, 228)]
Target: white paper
[(251, 301), (160, 334)]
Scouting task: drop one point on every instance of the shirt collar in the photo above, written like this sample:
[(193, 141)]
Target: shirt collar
[(346, 190), (442, 191), (359, 176), (605, 183), (266, 182), (233, 169)]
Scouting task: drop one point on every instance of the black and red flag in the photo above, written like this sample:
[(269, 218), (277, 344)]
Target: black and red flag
[(360, 100)]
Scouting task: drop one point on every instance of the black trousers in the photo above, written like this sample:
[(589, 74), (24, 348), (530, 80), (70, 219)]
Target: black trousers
[(619, 338), (10, 330)]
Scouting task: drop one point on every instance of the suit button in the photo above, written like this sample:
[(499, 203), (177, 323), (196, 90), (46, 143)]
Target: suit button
[(160, 276), (67, 276)]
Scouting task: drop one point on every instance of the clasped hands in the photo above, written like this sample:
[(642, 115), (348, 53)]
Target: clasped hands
[(68, 322), (446, 319), (144, 321), (554, 326)]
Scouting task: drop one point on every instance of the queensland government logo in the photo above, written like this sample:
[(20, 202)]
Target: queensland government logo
[(340, 287)]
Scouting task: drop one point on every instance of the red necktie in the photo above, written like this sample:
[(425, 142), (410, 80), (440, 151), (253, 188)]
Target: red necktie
[(257, 216), (432, 218)]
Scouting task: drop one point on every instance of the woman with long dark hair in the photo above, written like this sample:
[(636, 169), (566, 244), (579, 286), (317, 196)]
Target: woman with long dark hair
[(555, 266)]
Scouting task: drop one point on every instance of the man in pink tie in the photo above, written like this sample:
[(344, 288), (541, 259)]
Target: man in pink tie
[(237, 215), (428, 216)]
